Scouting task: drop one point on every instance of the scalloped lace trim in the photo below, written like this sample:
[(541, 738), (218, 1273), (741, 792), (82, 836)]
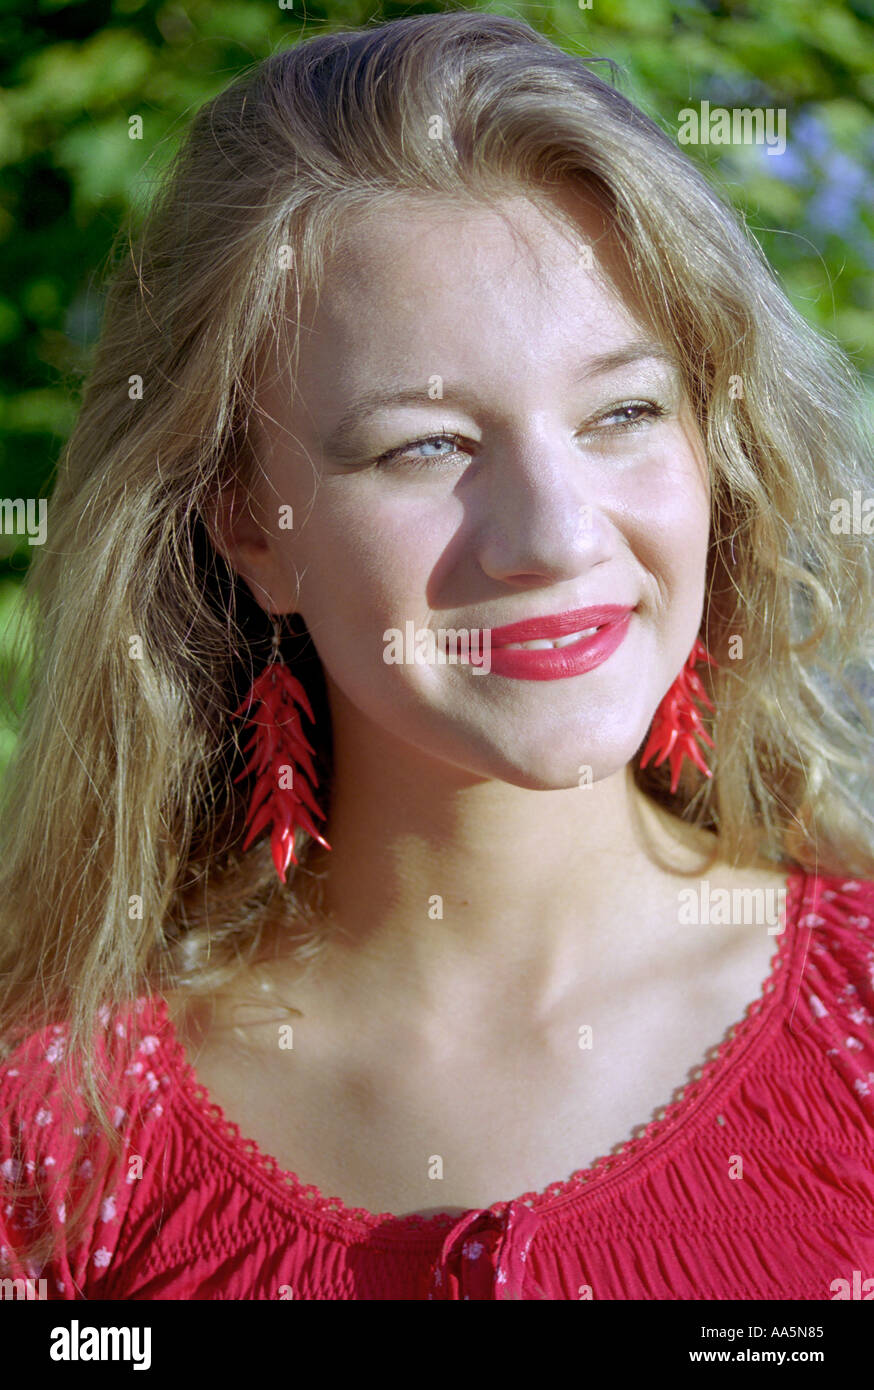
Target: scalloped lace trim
[(312, 1199)]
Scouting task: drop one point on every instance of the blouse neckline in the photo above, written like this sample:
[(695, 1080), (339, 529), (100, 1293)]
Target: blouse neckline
[(719, 1062)]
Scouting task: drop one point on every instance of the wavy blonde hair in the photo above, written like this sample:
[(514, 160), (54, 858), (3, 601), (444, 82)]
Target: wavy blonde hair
[(121, 787)]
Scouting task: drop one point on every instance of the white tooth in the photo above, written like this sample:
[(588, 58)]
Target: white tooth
[(541, 644), (574, 637)]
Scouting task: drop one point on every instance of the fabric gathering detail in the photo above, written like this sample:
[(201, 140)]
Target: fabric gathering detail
[(790, 1089)]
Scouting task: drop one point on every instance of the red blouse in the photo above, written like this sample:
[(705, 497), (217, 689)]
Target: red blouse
[(669, 1215)]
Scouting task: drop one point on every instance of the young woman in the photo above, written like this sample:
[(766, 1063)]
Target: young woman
[(438, 857)]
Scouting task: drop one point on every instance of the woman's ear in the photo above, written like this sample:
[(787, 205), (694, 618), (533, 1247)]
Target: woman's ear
[(239, 532)]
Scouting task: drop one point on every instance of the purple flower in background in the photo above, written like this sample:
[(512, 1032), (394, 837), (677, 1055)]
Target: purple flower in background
[(807, 148), (811, 135), (833, 207), (837, 183), (790, 167)]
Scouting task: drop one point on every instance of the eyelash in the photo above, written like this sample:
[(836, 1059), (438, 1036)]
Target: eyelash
[(653, 411)]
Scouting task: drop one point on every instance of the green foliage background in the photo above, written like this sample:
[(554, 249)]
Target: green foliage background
[(75, 72)]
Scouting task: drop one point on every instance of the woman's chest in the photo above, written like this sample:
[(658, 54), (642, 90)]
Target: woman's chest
[(376, 1119)]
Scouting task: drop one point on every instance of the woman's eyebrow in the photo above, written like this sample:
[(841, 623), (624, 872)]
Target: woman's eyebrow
[(368, 402)]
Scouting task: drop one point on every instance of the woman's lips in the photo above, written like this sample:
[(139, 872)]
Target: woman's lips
[(559, 624), (573, 658)]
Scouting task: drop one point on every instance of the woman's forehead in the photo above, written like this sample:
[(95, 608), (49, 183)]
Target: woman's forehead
[(398, 260)]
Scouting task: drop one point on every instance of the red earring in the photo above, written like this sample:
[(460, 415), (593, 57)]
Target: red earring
[(677, 723), (280, 753)]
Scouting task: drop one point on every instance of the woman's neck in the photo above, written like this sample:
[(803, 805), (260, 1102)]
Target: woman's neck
[(442, 881)]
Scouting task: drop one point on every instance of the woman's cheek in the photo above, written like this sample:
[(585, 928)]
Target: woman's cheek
[(355, 585), (671, 494), (376, 556)]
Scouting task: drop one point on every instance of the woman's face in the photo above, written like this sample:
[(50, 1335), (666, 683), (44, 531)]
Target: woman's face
[(578, 479)]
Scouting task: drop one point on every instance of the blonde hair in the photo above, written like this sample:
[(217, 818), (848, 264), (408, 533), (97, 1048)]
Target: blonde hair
[(121, 788)]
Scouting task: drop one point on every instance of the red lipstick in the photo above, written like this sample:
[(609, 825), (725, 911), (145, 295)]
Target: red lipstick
[(556, 663)]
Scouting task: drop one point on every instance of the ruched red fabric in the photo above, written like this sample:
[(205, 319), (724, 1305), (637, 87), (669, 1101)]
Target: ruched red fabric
[(755, 1182)]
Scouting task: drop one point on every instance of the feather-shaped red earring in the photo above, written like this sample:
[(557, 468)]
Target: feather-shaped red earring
[(281, 759), (677, 723)]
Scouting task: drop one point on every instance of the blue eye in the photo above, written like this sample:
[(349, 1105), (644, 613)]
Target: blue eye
[(642, 412), (403, 450), (649, 410)]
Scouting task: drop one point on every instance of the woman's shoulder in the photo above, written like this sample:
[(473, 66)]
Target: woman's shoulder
[(839, 911), (45, 1108), (835, 997), (41, 1089), (124, 1037), (53, 1149)]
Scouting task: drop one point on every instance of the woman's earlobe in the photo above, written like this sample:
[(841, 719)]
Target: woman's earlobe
[(237, 536)]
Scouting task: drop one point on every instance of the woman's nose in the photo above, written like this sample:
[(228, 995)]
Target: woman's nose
[(542, 517)]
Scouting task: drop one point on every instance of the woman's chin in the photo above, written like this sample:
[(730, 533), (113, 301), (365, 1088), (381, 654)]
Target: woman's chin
[(569, 772)]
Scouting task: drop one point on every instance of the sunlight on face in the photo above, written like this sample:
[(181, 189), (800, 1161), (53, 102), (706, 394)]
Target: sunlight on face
[(542, 458)]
